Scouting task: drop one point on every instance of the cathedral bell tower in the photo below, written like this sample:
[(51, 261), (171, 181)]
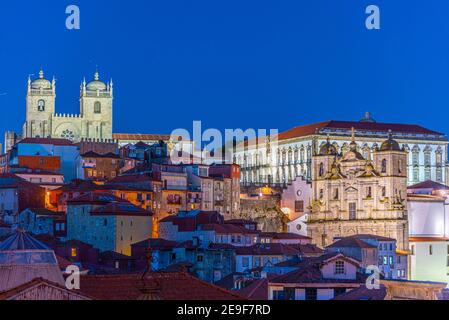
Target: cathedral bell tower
[(96, 102), (40, 106)]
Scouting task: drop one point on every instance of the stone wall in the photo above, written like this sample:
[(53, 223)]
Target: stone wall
[(266, 212)]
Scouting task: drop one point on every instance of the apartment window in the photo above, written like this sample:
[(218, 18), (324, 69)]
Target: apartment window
[(340, 267), (413, 250), (311, 294), (430, 250), (352, 211), (321, 194), (385, 260), (245, 262), (299, 206), (74, 253), (278, 295), (200, 258), (384, 191)]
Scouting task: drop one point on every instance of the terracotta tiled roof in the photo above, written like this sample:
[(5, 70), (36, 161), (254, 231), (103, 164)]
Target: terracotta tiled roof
[(68, 294), (312, 129), (133, 178), (193, 219), (50, 141), (156, 244), (285, 236), (270, 249), (351, 243), (227, 229), (174, 286), (309, 271), (363, 293), (371, 236), (257, 290), (45, 212), (429, 184), (141, 137), (121, 209), (91, 154), (96, 198)]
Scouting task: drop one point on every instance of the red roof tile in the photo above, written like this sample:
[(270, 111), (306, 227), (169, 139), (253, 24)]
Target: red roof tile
[(257, 290), (312, 129), (363, 293), (141, 137), (351, 243), (174, 286), (50, 141), (269, 249), (429, 184), (121, 209), (96, 198)]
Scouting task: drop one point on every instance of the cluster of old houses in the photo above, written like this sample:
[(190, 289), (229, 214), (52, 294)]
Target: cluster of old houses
[(117, 211)]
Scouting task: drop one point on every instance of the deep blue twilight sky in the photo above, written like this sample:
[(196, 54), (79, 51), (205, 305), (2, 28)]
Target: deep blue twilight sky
[(233, 63)]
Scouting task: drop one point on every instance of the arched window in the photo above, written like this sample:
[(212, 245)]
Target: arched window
[(97, 107), (384, 166), (41, 105), (321, 171)]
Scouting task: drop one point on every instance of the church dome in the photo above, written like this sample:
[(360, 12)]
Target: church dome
[(41, 83), (96, 85), (328, 149), (390, 144)]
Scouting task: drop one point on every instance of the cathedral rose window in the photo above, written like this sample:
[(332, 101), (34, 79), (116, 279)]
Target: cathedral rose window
[(67, 134)]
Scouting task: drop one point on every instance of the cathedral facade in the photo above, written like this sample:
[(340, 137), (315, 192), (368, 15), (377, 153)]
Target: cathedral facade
[(94, 121), (353, 194)]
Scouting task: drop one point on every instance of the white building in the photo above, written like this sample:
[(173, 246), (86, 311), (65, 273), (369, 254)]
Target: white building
[(429, 232), (282, 161)]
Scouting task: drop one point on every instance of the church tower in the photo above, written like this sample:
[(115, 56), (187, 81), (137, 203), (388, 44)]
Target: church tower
[(96, 102), (40, 106)]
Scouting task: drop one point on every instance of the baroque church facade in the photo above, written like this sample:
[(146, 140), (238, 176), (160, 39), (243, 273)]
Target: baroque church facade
[(94, 122), (353, 194)]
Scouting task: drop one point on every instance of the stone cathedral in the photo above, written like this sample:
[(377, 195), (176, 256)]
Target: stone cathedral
[(354, 195), (93, 122)]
